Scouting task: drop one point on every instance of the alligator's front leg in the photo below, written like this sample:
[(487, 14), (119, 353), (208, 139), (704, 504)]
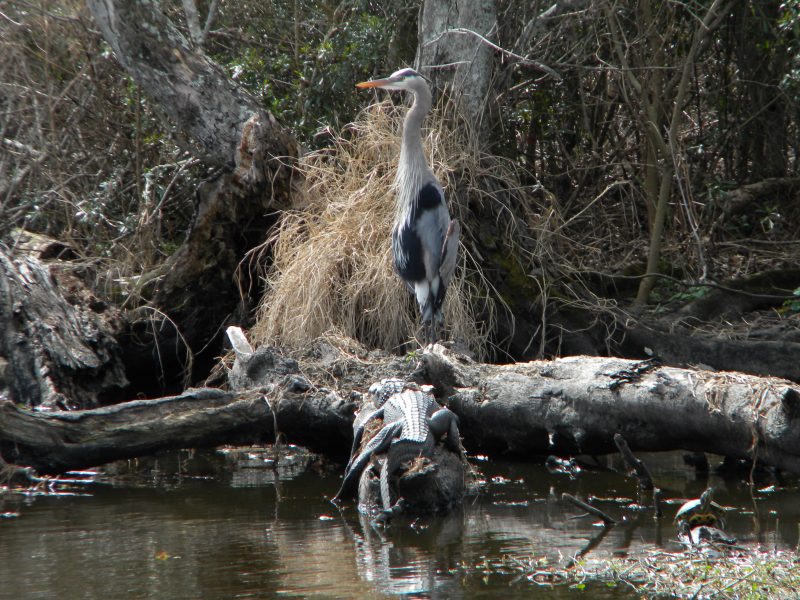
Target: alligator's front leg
[(378, 444), (444, 421)]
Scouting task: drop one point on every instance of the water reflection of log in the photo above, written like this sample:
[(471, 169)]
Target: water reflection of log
[(593, 543)]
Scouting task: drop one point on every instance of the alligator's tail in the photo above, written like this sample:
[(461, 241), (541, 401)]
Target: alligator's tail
[(399, 452)]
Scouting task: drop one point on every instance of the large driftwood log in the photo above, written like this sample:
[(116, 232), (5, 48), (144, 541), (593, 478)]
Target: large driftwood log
[(59, 441), (576, 405), (566, 406)]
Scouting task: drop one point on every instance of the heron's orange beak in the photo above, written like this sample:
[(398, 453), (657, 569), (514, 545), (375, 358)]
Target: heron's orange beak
[(375, 83)]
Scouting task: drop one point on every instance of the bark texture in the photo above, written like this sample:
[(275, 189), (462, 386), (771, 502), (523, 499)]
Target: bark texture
[(201, 286), (576, 405), (189, 88), (528, 410), (59, 354), (453, 54)]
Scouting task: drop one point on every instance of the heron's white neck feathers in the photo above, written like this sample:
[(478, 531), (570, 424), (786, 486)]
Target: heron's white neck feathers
[(413, 171)]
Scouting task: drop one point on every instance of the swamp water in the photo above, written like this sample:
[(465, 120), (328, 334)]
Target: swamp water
[(225, 525)]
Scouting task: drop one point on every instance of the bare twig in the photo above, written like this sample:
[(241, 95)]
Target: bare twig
[(607, 520), (638, 467), (657, 513), (526, 61)]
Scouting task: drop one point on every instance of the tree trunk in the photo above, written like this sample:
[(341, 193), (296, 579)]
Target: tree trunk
[(200, 288), (453, 54), (762, 57), (226, 124), (567, 406)]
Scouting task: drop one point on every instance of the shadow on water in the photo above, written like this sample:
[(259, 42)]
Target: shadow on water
[(215, 528)]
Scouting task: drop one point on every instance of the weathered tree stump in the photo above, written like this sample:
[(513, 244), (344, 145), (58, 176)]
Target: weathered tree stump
[(60, 353)]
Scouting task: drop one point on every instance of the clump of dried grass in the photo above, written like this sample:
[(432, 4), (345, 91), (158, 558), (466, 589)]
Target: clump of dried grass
[(332, 261)]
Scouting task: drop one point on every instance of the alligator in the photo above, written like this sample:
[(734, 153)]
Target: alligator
[(412, 424)]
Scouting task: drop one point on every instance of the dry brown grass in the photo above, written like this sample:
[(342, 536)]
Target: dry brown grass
[(332, 268)]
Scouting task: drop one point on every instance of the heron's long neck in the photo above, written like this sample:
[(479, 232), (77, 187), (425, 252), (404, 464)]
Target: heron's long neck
[(413, 170)]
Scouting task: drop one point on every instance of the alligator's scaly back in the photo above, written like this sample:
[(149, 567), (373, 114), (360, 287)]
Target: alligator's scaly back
[(413, 409), (412, 422)]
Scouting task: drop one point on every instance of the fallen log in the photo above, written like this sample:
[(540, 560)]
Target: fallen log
[(529, 410), (576, 405), (59, 441), (775, 189), (676, 344)]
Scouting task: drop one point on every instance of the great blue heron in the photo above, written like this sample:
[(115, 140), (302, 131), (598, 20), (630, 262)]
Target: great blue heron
[(424, 237)]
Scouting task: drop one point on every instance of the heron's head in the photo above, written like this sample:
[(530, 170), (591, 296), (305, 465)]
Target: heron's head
[(402, 80)]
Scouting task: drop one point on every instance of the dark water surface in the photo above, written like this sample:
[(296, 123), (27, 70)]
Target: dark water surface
[(247, 533)]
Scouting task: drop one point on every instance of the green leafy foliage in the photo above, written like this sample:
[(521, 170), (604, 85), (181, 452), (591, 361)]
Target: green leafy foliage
[(793, 305), (302, 58)]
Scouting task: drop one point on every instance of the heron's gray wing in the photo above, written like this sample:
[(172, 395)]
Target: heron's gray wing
[(449, 252)]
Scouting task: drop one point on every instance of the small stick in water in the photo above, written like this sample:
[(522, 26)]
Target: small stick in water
[(639, 468), (607, 521), (657, 503)]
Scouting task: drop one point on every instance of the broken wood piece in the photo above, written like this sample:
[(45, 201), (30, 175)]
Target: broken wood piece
[(657, 512), (607, 520), (61, 353), (237, 338)]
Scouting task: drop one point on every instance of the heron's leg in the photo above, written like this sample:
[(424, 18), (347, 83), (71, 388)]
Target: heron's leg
[(431, 331)]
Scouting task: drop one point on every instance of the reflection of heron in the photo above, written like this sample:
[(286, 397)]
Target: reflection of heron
[(424, 238)]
